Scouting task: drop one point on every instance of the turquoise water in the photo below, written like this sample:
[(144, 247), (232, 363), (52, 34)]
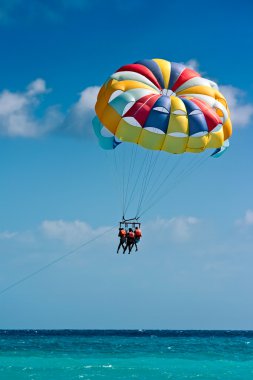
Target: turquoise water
[(127, 354)]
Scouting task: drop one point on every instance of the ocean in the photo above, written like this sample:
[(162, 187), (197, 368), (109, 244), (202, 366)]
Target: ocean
[(125, 354)]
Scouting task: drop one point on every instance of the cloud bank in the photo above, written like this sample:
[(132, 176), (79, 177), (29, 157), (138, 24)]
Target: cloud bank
[(241, 110), (192, 64), (178, 229), (246, 220), (70, 232), (7, 235), (18, 113), (78, 119)]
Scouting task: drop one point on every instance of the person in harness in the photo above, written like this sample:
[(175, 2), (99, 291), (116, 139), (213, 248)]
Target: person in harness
[(137, 237), (130, 241), (122, 239)]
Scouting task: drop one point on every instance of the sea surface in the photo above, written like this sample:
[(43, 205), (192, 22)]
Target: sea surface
[(125, 354)]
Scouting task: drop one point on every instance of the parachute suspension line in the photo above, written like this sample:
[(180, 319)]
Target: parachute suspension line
[(197, 164), (149, 177), (194, 164), (130, 172), (176, 182), (173, 181), (123, 174), (138, 176), (144, 179), (155, 180), (118, 180), (53, 262), (159, 176), (159, 186), (116, 177), (142, 182), (181, 171)]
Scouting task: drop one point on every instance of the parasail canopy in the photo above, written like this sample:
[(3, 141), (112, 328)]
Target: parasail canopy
[(169, 110), (162, 105)]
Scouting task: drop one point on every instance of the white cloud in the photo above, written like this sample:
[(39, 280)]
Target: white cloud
[(18, 112), (38, 86), (7, 235), (179, 228), (73, 232), (192, 64), (11, 102), (79, 118), (241, 111), (68, 232), (246, 220)]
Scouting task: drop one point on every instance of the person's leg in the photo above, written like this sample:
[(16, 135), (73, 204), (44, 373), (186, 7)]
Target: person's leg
[(136, 244), (119, 247)]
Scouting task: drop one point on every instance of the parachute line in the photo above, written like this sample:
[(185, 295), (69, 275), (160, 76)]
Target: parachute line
[(179, 178), (148, 178), (138, 179), (131, 169), (53, 262), (144, 179), (157, 187), (118, 179)]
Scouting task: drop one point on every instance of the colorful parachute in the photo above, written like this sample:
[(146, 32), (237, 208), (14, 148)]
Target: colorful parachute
[(162, 106)]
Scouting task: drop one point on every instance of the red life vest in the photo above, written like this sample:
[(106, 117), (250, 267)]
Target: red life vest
[(122, 233), (131, 234), (138, 233)]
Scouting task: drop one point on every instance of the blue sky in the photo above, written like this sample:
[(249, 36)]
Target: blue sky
[(58, 188)]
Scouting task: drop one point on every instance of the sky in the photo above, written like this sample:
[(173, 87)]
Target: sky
[(59, 189)]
